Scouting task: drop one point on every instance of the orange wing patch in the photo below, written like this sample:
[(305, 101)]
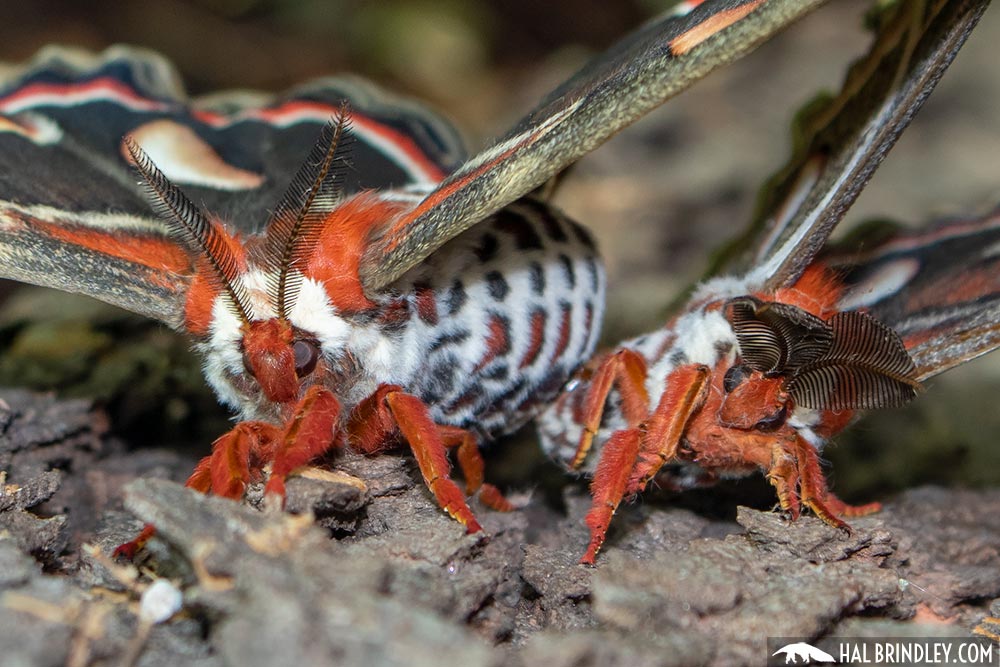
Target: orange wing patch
[(684, 42), (336, 261)]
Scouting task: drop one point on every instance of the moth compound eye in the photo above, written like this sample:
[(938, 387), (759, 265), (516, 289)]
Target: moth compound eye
[(735, 376), (773, 421), (306, 355)]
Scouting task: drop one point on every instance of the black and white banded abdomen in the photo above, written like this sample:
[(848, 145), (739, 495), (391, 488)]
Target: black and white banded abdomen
[(505, 313)]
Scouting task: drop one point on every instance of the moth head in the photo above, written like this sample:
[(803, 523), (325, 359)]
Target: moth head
[(278, 358), (751, 400), (277, 355), (849, 362)]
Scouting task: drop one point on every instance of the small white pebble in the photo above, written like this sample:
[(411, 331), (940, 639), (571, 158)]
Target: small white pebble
[(159, 602)]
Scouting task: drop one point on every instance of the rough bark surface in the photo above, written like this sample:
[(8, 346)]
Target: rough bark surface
[(371, 572)]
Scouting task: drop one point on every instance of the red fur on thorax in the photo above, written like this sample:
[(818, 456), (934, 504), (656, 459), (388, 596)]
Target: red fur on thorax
[(198, 307), (817, 291), (401, 227), (335, 262)]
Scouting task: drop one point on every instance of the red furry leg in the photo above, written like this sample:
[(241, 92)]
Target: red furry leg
[(841, 508), (371, 427), (608, 486), (812, 485), (389, 411), (684, 393), (784, 477), (225, 472), (491, 496), (422, 434), (470, 460), (815, 494), (626, 370), (631, 457), (128, 550), (308, 435)]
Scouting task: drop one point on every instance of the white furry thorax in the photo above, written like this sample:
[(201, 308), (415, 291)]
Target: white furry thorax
[(313, 314)]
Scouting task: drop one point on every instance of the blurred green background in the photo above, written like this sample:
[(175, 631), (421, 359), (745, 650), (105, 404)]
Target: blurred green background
[(660, 196)]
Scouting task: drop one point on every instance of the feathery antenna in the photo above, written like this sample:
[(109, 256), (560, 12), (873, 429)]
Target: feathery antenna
[(297, 221), (867, 367), (849, 362), (188, 223)]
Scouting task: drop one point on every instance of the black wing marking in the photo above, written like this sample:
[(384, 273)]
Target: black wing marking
[(84, 104)]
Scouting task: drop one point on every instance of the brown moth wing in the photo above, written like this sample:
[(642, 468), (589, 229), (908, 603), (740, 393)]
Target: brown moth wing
[(633, 77)]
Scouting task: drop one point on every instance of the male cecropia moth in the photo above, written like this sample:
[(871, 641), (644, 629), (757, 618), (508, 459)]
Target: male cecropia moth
[(400, 293), (763, 366)]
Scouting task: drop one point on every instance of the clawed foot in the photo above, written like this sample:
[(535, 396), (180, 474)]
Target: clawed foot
[(798, 480)]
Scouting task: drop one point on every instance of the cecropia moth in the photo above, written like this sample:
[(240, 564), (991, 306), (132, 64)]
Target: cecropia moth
[(763, 366), (396, 293)]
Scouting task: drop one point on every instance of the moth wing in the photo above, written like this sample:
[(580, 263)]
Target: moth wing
[(72, 215), (634, 76), (840, 141), (938, 288)]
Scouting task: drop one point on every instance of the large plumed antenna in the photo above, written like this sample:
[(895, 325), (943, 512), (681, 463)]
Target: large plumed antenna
[(205, 240), (849, 362), (867, 367), (298, 220)]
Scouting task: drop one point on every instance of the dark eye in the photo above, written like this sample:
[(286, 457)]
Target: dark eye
[(306, 355), (735, 376), (774, 421)]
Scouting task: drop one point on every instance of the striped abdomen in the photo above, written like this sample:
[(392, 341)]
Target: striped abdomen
[(504, 314)]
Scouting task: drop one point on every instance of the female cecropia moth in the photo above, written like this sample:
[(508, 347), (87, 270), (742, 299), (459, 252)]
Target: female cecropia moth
[(466, 345), (400, 294), (762, 367)]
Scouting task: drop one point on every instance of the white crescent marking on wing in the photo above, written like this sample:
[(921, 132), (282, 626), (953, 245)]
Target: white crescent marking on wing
[(885, 282), (186, 158)]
